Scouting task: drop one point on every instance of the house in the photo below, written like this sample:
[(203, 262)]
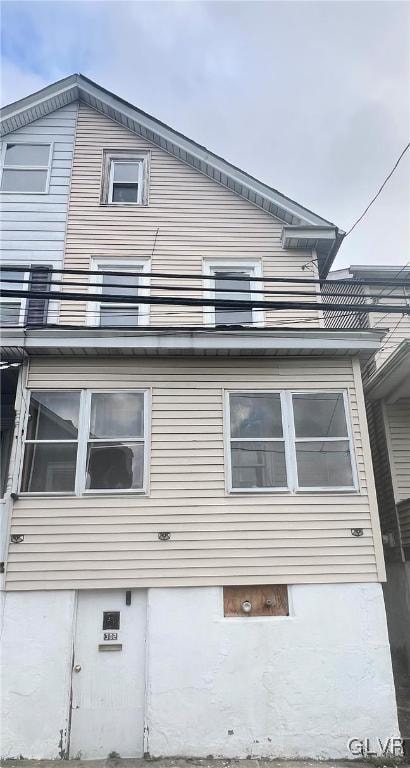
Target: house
[(387, 393), (193, 559)]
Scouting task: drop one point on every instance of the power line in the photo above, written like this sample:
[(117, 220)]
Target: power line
[(184, 288), (215, 277), (238, 305), (379, 191)]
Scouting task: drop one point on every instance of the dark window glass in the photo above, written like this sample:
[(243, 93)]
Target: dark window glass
[(242, 292), (320, 414), (322, 465), (125, 193), (26, 180), (258, 464), (49, 467), (27, 154), (117, 414), (53, 416), (9, 313), (118, 316), (115, 466), (256, 415)]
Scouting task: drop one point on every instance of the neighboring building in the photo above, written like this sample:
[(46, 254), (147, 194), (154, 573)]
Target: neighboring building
[(189, 489), (387, 392)]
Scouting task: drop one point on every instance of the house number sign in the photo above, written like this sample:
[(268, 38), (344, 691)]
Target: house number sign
[(110, 635)]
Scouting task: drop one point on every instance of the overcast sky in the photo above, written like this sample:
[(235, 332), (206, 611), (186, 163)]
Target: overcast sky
[(312, 98)]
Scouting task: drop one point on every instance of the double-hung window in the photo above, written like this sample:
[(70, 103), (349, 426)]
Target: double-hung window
[(13, 309), (20, 310), (86, 442), (233, 281), (125, 178), (133, 284), (296, 441), (25, 168)]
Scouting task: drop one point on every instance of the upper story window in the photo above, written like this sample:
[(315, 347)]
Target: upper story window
[(25, 168), (224, 284), (79, 442), (125, 178), (20, 310), (297, 441), (131, 285)]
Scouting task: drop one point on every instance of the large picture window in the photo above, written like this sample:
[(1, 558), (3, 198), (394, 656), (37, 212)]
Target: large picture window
[(297, 441), (82, 442)]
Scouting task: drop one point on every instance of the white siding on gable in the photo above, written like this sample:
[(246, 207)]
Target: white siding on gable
[(33, 225)]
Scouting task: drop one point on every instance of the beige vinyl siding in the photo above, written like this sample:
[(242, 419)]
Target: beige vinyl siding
[(398, 419), (189, 218), (112, 540), (397, 326)]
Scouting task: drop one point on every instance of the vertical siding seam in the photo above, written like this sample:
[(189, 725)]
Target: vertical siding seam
[(68, 206), (367, 459)]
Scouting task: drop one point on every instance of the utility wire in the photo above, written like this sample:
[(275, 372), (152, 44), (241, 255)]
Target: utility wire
[(379, 191), (286, 292), (215, 277), (203, 302)]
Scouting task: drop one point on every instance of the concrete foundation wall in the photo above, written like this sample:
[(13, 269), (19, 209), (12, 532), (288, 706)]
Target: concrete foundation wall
[(36, 654), (289, 686), (397, 597)]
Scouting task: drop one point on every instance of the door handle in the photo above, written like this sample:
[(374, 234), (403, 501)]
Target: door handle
[(77, 668)]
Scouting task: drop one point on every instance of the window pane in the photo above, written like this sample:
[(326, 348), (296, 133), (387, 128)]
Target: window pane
[(27, 154), (125, 193), (53, 416), (117, 414), (258, 464), (319, 415), (125, 315), (256, 415), (11, 274), (23, 181), (49, 467), (324, 465), (126, 171), (127, 284), (115, 466), (9, 313), (229, 317)]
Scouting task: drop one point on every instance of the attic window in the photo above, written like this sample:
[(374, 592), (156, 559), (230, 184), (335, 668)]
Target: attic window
[(25, 168), (125, 178)]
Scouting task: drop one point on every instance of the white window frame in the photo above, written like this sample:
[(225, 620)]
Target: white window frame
[(289, 439), (252, 266), (112, 157), (118, 265), (14, 299), (82, 444), (47, 167)]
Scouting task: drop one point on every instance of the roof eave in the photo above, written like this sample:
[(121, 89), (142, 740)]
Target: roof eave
[(78, 87), (20, 342)]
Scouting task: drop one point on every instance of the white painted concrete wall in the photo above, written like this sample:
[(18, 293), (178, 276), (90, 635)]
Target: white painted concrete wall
[(288, 687), (36, 654), (397, 595), (285, 687)]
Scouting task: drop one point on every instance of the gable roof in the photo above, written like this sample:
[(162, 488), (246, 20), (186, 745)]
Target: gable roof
[(77, 87)]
